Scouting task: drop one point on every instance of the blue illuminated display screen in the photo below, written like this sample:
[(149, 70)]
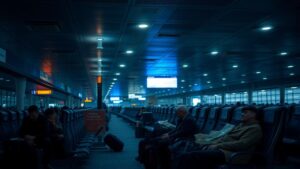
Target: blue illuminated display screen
[(161, 82)]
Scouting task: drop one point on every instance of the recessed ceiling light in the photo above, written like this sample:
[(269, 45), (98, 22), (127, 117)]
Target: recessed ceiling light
[(292, 74), (112, 82), (208, 82), (122, 65), (182, 80), (243, 75), (235, 66), (129, 51), (190, 85), (242, 81), (294, 87), (223, 84), (143, 26), (223, 78), (99, 60), (195, 84), (266, 28), (181, 87), (100, 39), (264, 78), (7, 80), (283, 53), (185, 66), (258, 72), (214, 52), (115, 79), (290, 66), (205, 74), (118, 74), (210, 87)]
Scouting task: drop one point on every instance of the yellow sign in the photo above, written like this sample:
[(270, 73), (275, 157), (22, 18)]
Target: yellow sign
[(88, 100), (43, 92)]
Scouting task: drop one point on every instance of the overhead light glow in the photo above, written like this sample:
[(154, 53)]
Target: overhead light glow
[(258, 72), (115, 79), (7, 80), (214, 52), (1, 78), (242, 81), (283, 53), (99, 60), (129, 52), (264, 78), (143, 26), (292, 74), (205, 74), (223, 78), (182, 80), (122, 65), (290, 66), (208, 82), (235, 66), (118, 74), (266, 28), (294, 87), (185, 66)]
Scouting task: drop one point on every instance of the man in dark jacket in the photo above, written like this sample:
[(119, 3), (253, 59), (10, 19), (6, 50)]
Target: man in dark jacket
[(186, 127), (34, 131), (243, 137)]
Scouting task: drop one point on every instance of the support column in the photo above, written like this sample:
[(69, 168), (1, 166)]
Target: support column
[(282, 95), (99, 92), (223, 98), (20, 93)]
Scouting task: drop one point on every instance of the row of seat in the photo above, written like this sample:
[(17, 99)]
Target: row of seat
[(280, 123), (10, 122)]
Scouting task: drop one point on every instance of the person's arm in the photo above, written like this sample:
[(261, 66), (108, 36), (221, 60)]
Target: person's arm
[(248, 139)]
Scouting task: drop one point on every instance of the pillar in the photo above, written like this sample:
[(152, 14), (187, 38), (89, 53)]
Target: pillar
[(20, 93), (282, 95), (99, 92)]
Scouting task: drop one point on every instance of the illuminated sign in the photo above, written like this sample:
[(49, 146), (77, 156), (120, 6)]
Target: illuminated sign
[(42, 92), (114, 98), (87, 100), (99, 79), (161, 82)]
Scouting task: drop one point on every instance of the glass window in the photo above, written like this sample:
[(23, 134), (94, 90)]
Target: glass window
[(269, 96), (212, 99), (292, 95), (233, 98)]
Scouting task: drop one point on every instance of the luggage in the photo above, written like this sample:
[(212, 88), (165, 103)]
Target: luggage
[(113, 142)]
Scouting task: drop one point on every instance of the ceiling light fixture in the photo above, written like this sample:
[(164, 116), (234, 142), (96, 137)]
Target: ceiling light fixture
[(122, 65), (266, 28), (235, 66), (258, 72), (292, 74), (129, 51), (214, 52), (223, 78), (143, 26), (290, 66), (205, 74), (118, 74), (185, 66), (283, 53)]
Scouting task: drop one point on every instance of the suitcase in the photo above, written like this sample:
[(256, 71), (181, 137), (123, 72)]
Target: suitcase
[(113, 142)]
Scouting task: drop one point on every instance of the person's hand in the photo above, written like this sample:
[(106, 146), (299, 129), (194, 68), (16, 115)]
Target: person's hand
[(212, 147), (165, 136)]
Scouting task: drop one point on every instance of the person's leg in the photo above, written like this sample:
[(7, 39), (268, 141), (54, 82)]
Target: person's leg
[(205, 159)]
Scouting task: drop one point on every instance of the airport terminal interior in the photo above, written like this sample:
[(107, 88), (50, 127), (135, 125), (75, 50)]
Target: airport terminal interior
[(84, 84)]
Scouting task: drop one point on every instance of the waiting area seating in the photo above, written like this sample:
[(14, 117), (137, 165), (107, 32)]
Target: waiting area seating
[(280, 124)]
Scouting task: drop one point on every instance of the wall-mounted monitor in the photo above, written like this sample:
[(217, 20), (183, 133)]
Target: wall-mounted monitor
[(161, 82)]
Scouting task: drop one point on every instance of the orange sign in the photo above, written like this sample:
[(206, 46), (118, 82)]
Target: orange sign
[(94, 120), (43, 92)]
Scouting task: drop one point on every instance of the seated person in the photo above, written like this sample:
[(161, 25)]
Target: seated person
[(186, 127), (56, 137), (34, 131), (244, 137)]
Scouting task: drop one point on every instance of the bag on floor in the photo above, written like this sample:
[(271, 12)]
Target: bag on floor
[(113, 142)]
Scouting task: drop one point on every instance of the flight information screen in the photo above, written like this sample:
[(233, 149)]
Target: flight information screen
[(161, 82)]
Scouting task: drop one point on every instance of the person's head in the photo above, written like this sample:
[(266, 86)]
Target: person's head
[(181, 111), (249, 113), (33, 112), (50, 114)]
